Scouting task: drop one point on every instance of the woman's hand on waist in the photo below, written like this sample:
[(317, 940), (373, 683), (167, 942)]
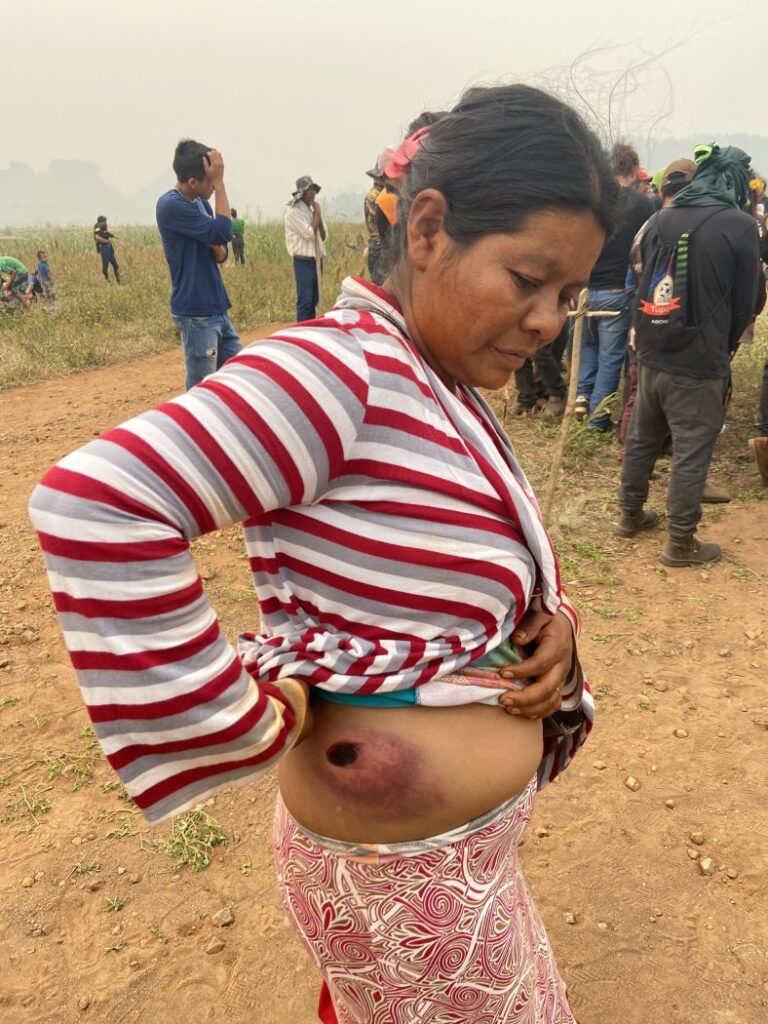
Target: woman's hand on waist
[(547, 668)]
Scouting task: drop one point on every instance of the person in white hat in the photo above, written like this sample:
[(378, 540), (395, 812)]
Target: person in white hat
[(305, 236)]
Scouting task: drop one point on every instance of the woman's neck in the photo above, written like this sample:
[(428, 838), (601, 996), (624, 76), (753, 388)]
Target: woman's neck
[(399, 283)]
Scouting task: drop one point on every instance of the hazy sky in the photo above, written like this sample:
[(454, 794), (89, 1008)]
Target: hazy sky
[(285, 88)]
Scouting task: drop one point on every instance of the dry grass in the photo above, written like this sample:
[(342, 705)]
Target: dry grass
[(94, 323)]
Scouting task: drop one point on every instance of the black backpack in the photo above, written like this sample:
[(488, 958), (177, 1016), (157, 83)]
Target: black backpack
[(664, 319)]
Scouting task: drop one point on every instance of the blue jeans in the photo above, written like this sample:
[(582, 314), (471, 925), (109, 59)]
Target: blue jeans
[(307, 292), (604, 349), (209, 341), (108, 259)]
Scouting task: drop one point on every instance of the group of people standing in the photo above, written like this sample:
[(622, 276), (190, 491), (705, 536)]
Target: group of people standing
[(675, 395), (696, 285), (677, 384)]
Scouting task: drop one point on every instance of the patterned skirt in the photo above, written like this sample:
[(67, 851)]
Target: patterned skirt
[(435, 931)]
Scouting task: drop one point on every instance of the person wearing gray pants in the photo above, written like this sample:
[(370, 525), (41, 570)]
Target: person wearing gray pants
[(692, 410)]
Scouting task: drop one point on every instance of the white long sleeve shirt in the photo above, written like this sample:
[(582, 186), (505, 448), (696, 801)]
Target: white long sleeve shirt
[(299, 235)]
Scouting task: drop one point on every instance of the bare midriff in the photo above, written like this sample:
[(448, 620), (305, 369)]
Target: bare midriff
[(387, 775)]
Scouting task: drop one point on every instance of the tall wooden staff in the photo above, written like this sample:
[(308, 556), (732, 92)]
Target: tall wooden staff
[(580, 316), (573, 385), (319, 269)]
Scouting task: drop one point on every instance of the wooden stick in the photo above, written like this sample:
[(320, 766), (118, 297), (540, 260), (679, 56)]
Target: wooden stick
[(319, 272), (573, 384)]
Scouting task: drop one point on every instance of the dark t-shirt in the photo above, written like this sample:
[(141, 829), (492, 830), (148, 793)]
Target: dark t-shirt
[(188, 228), (610, 271), (100, 232), (723, 274)]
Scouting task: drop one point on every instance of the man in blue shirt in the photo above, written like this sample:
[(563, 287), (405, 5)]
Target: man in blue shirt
[(195, 242)]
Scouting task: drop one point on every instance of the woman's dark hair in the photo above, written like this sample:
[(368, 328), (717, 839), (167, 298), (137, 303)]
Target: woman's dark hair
[(504, 153), (624, 160)]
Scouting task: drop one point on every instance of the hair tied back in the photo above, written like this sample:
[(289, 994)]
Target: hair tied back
[(399, 158)]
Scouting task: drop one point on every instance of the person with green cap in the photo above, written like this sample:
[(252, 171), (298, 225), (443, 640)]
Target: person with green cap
[(656, 183)]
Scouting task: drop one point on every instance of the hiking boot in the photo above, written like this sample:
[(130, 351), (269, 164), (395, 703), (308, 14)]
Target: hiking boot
[(631, 525), (714, 497), (523, 410), (581, 408), (759, 446), (553, 408), (683, 551)]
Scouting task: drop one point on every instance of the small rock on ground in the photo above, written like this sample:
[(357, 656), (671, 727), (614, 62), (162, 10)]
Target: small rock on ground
[(223, 918)]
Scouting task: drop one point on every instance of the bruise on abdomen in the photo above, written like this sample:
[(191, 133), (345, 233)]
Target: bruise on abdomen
[(380, 773)]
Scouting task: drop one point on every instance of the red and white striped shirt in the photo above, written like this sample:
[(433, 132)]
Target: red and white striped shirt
[(393, 539)]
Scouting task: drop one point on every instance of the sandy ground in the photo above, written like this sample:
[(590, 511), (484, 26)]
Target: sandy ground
[(679, 664)]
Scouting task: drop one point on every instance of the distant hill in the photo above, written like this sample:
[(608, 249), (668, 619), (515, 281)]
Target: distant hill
[(71, 192)]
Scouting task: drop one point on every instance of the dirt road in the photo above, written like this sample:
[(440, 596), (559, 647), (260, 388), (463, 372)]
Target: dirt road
[(97, 924)]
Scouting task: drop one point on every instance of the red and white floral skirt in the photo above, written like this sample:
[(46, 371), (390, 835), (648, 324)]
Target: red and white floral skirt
[(439, 931)]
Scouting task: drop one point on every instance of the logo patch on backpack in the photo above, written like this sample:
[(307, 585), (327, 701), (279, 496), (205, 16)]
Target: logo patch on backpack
[(664, 318), (668, 282)]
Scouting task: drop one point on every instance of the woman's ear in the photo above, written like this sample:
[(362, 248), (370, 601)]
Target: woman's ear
[(425, 230)]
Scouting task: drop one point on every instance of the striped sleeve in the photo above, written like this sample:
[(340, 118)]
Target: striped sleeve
[(176, 713)]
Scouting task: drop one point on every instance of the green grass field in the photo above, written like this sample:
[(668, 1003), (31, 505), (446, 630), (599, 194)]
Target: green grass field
[(94, 323)]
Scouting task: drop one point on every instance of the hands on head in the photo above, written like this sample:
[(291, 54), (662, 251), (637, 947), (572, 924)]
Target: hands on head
[(213, 163)]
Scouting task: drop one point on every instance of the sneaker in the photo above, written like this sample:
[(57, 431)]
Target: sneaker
[(684, 551), (759, 446), (631, 525), (581, 408)]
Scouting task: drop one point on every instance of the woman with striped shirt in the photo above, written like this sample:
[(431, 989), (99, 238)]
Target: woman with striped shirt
[(400, 563)]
